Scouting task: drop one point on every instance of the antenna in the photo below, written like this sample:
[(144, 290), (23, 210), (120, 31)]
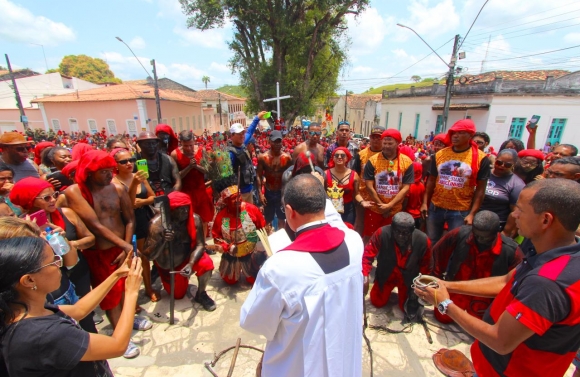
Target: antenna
[(485, 58)]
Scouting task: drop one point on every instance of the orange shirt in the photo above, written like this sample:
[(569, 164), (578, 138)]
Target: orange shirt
[(364, 156), (453, 188), (389, 178)]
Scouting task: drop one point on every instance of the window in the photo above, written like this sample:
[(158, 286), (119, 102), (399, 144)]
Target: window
[(73, 125), (154, 123), (131, 126), (387, 120), (517, 128), (180, 124), (417, 120), (438, 124), (556, 130), (56, 124), (112, 126), (164, 120), (468, 117), (173, 124), (199, 122), (187, 123), (400, 120), (92, 126)]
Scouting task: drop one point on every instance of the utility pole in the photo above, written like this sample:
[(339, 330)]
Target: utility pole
[(157, 103), (23, 117), (449, 84), (220, 110)]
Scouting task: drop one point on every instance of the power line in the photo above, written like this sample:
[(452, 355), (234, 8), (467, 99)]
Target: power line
[(526, 56), (537, 32)]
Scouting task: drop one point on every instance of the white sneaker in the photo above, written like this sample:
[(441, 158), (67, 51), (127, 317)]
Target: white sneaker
[(142, 324), (132, 351)]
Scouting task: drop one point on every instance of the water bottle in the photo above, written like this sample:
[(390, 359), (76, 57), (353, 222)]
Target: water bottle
[(57, 243)]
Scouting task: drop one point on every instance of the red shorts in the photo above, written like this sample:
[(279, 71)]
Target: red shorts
[(100, 266), (202, 205), (380, 297), (203, 265), (374, 221)]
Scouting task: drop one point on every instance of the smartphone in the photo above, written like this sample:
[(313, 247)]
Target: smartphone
[(134, 242), (64, 181), (142, 166), (40, 217), (534, 121)]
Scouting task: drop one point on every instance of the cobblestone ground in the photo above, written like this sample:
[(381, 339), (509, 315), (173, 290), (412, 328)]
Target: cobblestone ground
[(197, 336)]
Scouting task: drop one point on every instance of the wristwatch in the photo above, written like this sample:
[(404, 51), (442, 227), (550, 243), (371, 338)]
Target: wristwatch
[(442, 307)]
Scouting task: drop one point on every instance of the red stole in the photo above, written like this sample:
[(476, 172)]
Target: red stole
[(317, 240)]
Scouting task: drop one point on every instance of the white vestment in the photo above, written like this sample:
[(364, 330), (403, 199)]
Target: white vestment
[(312, 321)]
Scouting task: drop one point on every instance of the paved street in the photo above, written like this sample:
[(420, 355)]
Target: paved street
[(181, 350)]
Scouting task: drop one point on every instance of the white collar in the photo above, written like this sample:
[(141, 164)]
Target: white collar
[(312, 223)]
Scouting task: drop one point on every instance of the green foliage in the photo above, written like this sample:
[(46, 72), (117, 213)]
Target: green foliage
[(234, 90), (52, 70), (205, 80), (416, 78), (300, 44), (84, 67), (379, 90)]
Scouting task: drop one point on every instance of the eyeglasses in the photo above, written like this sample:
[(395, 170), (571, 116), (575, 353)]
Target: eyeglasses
[(47, 198), (127, 160), (340, 155), (57, 262), (528, 163), (23, 149), (507, 165), (313, 133)]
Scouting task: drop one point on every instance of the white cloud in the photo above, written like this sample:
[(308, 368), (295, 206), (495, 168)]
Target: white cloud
[(212, 38), (137, 43), (180, 72), (400, 53), (18, 24), (217, 67), (367, 31), (127, 67), (362, 69), (170, 9), (429, 22), (572, 38)]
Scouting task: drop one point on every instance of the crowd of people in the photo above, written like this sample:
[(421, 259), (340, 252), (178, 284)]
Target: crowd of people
[(496, 230)]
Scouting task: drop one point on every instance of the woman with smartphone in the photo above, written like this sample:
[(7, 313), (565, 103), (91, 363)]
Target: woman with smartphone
[(45, 338), (38, 198), (142, 196)]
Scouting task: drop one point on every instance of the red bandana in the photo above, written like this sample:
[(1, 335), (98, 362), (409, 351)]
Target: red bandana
[(179, 199), (90, 162), (173, 143), (26, 190)]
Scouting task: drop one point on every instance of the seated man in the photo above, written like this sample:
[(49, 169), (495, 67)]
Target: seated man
[(187, 240), (474, 252), (402, 253)]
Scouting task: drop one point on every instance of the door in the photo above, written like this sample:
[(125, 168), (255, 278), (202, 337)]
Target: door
[(556, 130), (417, 120), (517, 128), (400, 120)]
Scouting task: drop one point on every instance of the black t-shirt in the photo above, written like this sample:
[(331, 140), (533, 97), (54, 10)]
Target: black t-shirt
[(51, 345)]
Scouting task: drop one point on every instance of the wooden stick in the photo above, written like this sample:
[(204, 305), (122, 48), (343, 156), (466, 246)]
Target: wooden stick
[(233, 363)]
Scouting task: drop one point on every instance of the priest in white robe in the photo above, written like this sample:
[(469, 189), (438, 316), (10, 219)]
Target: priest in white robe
[(307, 299)]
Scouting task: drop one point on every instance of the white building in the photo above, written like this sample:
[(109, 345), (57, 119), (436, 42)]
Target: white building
[(500, 103), (362, 112)]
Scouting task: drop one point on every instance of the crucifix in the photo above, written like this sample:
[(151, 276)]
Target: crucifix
[(277, 99)]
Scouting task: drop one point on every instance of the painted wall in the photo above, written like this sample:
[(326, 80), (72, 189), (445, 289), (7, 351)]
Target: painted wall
[(10, 119)]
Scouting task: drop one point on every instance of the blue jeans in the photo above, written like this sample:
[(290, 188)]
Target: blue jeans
[(437, 219), (69, 297)]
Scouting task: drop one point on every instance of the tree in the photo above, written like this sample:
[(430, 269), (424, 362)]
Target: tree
[(300, 44), (416, 78), (84, 67), (205, 80)]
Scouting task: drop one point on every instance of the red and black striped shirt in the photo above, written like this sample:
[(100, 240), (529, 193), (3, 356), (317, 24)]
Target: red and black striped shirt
[(544, 295)]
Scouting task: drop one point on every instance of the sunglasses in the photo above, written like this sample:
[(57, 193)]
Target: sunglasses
[(57, 262), (340, 155), (315, 133), (23, 149), (507, 165), (127, 160), (47, 198)]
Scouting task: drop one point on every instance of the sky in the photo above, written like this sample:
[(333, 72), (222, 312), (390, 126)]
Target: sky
[(508, 35)]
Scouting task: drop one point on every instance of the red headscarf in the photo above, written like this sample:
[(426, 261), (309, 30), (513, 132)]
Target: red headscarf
[(531, 153), (173, 143), (90, 162), (79, 150), (467, 125), (70, 168), (444, 138), (26, 190), (418, 170), (39, 148), (302, 162), (117, 150), (408, 151), (343, 149), (395, 134), (179, 199)]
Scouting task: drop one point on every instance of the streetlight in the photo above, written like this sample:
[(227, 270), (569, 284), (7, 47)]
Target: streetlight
[(157, 102)]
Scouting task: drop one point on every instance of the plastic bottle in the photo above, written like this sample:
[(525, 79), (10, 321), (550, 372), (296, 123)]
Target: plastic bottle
[(57, 243)]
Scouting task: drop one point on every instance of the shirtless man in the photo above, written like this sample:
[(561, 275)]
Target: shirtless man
[(312, 145), (108, 213), (271, 166)]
